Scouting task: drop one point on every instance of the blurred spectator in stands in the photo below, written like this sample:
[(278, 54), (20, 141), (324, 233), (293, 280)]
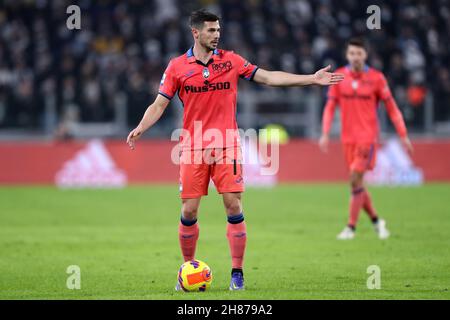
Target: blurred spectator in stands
[(123, 48)]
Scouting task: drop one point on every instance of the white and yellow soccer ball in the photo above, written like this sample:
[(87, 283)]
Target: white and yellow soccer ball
[(194, 275)]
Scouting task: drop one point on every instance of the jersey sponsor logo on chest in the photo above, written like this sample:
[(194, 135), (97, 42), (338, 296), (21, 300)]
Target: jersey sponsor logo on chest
[(356, 96), (221, 67), (207, 87)]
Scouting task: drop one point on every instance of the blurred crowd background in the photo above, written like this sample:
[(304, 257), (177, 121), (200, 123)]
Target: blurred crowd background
[(50, 74)]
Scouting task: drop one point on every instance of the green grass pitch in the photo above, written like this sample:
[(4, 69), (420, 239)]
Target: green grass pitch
[(126, 243)]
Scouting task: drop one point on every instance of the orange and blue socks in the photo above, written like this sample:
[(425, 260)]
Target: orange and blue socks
[(188, 232), (237, 239), (368, 207), (356, 203)]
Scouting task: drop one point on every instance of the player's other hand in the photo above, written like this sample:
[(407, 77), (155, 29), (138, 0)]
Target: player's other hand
[(407, 145), (324, 141), (134, 135), (324, 77)]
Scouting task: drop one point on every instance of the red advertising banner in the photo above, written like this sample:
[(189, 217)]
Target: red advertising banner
[(112, 163)]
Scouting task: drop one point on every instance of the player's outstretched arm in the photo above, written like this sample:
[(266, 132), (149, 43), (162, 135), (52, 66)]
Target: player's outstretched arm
[(151, 115), (394, 113), (327, 120), (396, 117), (284, 79)]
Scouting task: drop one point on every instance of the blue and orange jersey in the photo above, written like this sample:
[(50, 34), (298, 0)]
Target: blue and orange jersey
[(358, 97), (209, 96)]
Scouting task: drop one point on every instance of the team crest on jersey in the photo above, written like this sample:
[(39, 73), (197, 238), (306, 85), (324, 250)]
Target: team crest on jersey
[(205, 73), (354, 84)]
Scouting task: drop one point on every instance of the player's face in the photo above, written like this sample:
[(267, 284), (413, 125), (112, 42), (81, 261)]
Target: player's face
[(208, 36), (356, 57)]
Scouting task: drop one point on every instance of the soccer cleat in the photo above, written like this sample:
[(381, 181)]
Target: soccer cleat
[(380, 229), (346, 234), (237, 281), (178, 287)]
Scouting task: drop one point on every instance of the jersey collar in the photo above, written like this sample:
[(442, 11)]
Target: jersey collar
[(365, 68), (191, 58)]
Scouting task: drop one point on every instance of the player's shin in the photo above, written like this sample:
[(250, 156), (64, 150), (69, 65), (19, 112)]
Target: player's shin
[(368, 207), (188, 232), (356, 202), (237, 239)]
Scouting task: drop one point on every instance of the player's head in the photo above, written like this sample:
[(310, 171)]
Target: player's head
[(205, 29), (356, 53)]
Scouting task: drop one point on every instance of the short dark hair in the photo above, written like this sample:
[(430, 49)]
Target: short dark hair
[(198, 17), (358, 42)]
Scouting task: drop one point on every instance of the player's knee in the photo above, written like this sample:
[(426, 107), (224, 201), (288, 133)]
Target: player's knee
[(356, 180), (233, 207), (354, 184), (189, 212)]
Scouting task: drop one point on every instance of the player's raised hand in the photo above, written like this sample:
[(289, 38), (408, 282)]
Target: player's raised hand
[(134, 135), (407, 145), (324, 77), (324, 141)]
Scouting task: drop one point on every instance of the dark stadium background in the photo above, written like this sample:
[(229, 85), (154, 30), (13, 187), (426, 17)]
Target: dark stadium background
[(68, 99), (58, 84), (124, 46)]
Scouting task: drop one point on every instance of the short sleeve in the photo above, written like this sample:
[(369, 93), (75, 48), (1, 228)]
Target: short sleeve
[(246, 70), (169, 82), (383, 91)]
